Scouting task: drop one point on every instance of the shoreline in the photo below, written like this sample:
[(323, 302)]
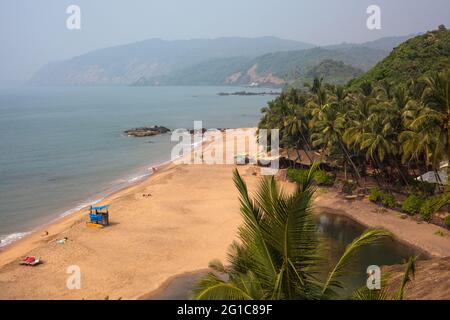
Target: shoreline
[(192, 206), (58, 224), (418, 235), (95, 198)]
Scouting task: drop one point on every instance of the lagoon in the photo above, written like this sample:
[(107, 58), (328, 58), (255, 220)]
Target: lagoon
[(338, 231)]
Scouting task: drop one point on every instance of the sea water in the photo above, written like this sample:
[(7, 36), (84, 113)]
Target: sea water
[(64, 148)]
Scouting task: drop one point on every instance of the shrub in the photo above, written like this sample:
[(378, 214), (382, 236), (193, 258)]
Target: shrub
[(321, 177), (428, 208), (297, 175), (424, 188), (388, 200), (447, 221), (324, 178), (375, 194), (426, 211), (348, 187), (439, 233), (412, 205)]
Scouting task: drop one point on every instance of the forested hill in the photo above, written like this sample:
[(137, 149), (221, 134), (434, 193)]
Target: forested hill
[(236, 61), (331, 71), (422, 55), (272, 69)]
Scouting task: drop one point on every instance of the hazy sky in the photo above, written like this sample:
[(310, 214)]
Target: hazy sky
[(34, 32)]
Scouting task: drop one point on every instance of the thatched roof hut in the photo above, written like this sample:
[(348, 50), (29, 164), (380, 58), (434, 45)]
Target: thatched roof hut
[(302, 157)]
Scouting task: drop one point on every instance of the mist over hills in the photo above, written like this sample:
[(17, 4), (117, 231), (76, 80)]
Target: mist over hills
[(239, 61), (125, 64)]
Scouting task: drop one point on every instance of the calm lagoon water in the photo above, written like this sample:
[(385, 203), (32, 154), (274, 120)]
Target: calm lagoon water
[(337, 231), (63, 148)]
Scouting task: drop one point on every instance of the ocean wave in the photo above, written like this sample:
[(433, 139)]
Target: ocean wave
[(79, 207), (138, 178), (10, 238)]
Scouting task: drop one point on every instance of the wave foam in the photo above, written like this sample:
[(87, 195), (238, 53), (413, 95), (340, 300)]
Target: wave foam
[(10, 238)]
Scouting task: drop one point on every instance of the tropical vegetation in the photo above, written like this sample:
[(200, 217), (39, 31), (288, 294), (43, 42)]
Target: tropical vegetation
[(332, 71), (422, 55), (383, 130), (389, 132), (280, 255)]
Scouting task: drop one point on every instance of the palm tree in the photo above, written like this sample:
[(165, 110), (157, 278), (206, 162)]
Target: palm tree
[(379, 141), (329, 127), (296, 128), (436, 99), (390, 113), (386, 89), (427, 123), (279, 253)]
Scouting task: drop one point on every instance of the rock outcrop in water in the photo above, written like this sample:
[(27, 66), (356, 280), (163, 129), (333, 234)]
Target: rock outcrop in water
[(249, 93), (146, 131)]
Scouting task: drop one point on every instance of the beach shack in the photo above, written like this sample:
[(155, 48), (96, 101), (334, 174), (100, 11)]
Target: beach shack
[(302, 158), (99, 216)]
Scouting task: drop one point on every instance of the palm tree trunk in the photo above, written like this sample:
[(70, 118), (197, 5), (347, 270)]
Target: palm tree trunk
[(309, 148), (351, 162), (400, 172), (345, 170)]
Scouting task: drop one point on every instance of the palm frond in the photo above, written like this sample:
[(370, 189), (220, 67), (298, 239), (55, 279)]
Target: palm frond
[(211, 287), (370, 237), (409, 273)]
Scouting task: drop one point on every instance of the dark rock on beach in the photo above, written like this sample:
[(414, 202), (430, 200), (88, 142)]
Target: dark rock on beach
[(146, 131)]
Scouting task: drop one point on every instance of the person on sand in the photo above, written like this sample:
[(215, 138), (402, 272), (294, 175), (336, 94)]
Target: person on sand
[(62, 241)]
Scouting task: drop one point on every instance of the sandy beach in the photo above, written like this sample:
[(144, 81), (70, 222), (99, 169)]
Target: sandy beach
[(189, 219)]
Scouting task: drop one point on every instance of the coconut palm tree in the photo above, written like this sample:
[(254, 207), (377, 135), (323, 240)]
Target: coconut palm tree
[(295, 129), (427, 123), (379, 142), (329, 126), (279, 254), (436, 99)]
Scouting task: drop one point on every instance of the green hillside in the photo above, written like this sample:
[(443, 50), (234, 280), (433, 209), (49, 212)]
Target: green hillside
[(270, 69), (333, 72), (281, 63), (210, 72), (421, 55)]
